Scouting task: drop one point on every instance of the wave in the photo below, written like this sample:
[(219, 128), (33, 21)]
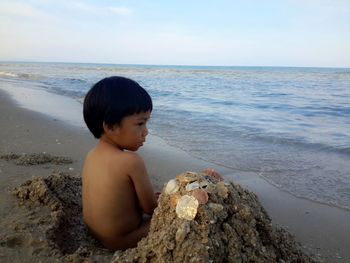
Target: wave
[(25, 76), (8, 74), (301, 143), (74, 80), (70, 87)]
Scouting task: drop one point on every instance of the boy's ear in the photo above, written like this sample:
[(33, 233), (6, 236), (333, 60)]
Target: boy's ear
[(107, 128)]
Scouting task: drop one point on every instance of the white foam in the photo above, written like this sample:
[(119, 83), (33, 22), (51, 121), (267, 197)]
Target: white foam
[(8, 74), (57, 106)]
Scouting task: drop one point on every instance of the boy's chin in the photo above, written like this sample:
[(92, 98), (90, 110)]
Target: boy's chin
[(133, 149)]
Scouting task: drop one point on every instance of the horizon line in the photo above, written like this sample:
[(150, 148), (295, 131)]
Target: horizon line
[(169, 65)]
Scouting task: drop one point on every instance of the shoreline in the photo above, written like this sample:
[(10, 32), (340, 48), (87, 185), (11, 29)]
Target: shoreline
[(320, 228)]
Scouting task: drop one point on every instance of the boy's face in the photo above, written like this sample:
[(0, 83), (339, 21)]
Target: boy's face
[(132, 131)]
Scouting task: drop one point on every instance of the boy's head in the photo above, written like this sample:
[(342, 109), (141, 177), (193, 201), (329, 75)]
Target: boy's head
[(110, 100)]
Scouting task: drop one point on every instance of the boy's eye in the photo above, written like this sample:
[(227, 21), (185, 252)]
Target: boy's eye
[(141, 123)]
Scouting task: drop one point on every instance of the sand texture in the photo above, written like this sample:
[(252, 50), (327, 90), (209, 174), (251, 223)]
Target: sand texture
[(35, 158), (66, 238), (229, 226), (225, 224)]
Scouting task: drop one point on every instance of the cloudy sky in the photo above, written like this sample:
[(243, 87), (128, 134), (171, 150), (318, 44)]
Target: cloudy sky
[(178, 32)]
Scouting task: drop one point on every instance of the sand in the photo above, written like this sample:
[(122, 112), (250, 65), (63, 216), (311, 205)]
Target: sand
[(230, 225), (62, 234), (30, 228), (35, 158)]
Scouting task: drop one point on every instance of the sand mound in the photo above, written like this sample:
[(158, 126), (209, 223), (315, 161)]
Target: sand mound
[(35, 158), (66, 235), (200, 219)]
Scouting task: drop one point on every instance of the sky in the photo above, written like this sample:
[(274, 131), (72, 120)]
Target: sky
[(302, 33)]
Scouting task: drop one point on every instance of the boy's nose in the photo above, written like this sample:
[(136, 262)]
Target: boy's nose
[(145, 132)]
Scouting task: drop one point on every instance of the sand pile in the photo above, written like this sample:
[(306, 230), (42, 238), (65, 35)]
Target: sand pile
[(198, 219), (35, 158), (66, 237), (202, 219)]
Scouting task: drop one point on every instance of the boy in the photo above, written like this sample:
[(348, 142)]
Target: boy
[(116, 189)]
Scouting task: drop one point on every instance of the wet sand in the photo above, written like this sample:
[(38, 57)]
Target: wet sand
[(321, 229)]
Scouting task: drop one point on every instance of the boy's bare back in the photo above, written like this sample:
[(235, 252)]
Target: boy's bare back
[(116, 189), (111, 206)]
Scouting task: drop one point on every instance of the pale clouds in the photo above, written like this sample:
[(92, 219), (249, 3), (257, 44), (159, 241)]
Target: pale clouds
[(272, 32), (100, 10), (21, 9), (120, 10), (41, 9)]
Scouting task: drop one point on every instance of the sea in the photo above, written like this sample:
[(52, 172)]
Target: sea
[(291, 126)]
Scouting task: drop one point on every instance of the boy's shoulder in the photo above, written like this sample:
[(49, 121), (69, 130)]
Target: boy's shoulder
[(130, 156), (129, 160), (112, 158)]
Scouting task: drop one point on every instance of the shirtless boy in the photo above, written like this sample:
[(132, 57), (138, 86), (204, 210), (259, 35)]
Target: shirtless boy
[(116, 188)]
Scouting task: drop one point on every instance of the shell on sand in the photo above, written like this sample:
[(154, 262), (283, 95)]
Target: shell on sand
[(192, 186), (210, 188), (182, 231), (186, 207), (222, 189), (174, 199), (201, 196), (216, 207), (204, 184), (187, 177), (171, 187)]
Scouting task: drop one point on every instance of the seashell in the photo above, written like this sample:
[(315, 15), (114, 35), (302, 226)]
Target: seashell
[(201, 196), (174, 199), (187, 177), (215, 207), (182, 231), (192, 186), (171, 187), (211, 188), (204, 184), (186, 207), (208, 178), (222, 189)]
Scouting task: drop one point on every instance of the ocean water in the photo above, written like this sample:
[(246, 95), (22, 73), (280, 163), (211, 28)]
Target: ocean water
[(289, 125)]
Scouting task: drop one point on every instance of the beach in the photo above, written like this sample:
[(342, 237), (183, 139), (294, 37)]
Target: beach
[(322, 230)]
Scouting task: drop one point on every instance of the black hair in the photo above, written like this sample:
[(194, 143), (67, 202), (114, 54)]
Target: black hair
[(111, 99)]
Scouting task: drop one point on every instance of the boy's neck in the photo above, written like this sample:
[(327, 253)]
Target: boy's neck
[(104, 140)]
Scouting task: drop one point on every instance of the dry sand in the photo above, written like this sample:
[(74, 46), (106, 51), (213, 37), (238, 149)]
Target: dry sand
[(26, 231), (201, 219)]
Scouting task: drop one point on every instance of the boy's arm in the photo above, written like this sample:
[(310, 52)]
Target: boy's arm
[(143, 187)]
